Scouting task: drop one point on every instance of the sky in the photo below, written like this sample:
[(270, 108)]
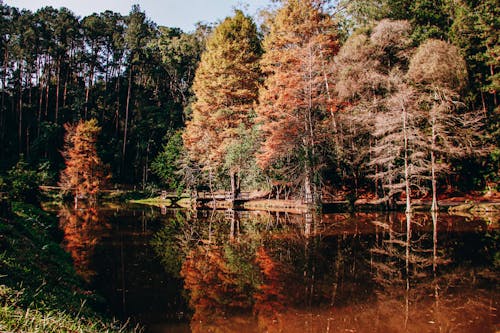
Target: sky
[(183, 14)]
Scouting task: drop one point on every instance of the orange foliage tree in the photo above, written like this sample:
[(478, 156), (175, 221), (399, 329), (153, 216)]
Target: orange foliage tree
[(294, 101), (82, 229), (84, 174), (226, 89)]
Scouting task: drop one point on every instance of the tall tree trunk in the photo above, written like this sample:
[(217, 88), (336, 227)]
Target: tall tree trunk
[(40, 103), (20, 128), (87, 92), (58, 81), (407, 179), (234, 185), (117, 111), (47, 88), (3, 111), (127, 106), (434, 206), (308, 187)]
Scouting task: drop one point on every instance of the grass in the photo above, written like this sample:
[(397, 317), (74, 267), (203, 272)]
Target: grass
[(39, 289), (153, 202)]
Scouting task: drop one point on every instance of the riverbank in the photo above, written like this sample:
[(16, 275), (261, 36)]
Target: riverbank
[(476, 204), (39, 289)]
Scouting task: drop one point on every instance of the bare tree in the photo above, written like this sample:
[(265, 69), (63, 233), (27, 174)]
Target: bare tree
[(439, 73)]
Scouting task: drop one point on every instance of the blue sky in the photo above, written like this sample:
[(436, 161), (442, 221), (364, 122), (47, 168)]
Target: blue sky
[(174, 13)]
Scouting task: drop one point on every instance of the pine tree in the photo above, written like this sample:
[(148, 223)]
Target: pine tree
[(295, 98), (84, 174)]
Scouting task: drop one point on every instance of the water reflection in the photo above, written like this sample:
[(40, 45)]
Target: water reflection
[(83, 229), (276, 272), (380, 273)]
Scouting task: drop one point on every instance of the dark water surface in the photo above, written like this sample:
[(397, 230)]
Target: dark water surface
[(227, 271)]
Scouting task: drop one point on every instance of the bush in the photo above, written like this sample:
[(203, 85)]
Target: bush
[(22, 183)]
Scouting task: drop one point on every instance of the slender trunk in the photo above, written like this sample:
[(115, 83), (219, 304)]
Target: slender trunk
[(494, 93), (434, 206), (117, 111), (407, 179), (27, 143), (309, 140), (58, 81), (40, 103), (308, 188), (20, 128), (47, 89), (3, 111), (66, 80), (65, 93), (87, 92), (483, 102), (127, 106), (234, 187)]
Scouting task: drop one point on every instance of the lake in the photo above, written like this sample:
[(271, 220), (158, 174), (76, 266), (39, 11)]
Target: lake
[(174, 270)]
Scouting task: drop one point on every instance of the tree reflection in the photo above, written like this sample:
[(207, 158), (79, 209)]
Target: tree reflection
[(367, 272), (83, 228)]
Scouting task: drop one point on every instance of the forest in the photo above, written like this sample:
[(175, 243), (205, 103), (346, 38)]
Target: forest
[(312, 99)]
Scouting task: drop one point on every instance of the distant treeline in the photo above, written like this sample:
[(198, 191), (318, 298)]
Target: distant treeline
[(125, 71)]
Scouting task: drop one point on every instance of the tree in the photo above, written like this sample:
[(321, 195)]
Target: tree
[(165, 165), (137, 37), (294, 100), (370, 72), (226, 89), (439, 70), (84, 174)]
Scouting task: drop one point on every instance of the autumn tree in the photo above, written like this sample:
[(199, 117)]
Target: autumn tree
[(226, 90), (295, 97), (380, 107), (84, 174), (440, 73)]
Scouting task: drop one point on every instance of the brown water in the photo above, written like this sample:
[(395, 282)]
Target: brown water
[(226, 271)]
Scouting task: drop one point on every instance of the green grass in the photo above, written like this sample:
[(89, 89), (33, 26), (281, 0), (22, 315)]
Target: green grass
[(153, 201), (39, 289)]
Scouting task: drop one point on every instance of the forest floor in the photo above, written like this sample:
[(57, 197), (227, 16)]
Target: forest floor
[(39, 289)]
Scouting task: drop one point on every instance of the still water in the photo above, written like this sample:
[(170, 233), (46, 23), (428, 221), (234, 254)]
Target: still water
[(228, 271)]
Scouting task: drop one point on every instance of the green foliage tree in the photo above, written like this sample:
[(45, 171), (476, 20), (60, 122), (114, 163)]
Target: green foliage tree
[(165, 165)]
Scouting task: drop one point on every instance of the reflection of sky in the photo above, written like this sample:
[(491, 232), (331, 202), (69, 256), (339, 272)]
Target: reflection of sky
[(174, 13)]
